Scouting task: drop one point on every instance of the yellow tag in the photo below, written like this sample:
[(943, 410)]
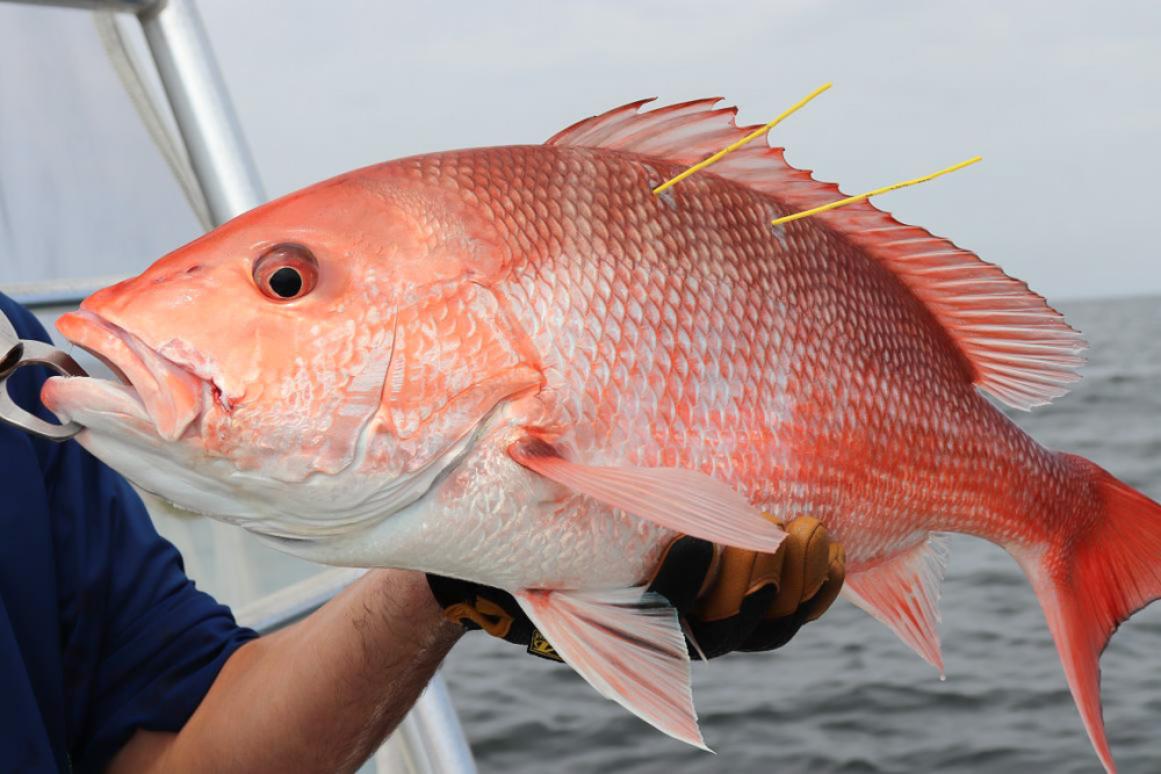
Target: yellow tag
[(538, 646), (876, 192)]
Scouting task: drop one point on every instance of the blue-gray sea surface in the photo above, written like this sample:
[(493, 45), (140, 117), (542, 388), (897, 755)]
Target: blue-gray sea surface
[(846, 695)]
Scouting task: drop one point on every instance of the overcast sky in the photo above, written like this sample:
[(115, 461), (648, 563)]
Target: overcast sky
[(1061, 98)]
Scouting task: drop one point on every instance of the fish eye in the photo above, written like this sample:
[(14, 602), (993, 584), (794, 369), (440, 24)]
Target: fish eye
[(286, 271)]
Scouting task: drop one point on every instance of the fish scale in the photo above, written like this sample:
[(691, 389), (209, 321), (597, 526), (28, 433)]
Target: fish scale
[(572, 294)]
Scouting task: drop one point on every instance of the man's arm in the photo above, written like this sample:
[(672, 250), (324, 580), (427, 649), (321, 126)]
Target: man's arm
[(320, 695)]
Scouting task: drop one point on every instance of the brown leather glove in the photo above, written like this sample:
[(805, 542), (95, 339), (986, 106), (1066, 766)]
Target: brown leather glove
[(729, 599)]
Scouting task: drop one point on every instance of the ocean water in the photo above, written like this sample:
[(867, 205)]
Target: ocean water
[(846, 695)]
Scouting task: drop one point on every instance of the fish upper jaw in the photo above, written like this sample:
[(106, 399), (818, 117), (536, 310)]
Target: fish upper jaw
[(154, 389)]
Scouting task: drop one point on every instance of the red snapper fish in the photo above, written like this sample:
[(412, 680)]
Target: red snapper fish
[(520, 367)]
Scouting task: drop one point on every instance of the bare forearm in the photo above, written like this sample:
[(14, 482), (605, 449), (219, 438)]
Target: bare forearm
[(318, 696)]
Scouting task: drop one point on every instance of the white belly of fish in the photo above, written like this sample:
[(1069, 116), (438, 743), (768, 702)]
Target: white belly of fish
[(491, 521)]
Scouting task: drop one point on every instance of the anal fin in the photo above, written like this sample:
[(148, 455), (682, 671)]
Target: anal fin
[(903, 592), (628, 645)]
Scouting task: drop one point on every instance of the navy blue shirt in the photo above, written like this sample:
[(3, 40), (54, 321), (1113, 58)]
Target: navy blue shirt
[(101, 632)]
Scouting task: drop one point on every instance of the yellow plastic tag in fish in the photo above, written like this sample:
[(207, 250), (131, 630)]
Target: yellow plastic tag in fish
[(852, 199), (734, 146)]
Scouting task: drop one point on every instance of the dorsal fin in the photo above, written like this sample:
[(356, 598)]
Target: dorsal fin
[(1016, 346)]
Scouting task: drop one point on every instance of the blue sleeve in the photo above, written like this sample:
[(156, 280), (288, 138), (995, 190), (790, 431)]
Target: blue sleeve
[(141, 644)]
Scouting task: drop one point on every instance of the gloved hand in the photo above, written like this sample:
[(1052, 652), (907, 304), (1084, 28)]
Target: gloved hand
[(728, 599)]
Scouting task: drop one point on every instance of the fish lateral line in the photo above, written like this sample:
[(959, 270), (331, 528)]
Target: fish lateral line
[(885, 189), (764, 129)]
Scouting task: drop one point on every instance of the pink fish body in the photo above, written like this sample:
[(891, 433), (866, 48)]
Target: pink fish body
[(520, 367)]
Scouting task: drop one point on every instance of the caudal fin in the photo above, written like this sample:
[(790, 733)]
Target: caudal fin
[(1090, 583)]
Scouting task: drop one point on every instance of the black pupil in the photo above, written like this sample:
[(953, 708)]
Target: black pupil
[(286, 282)]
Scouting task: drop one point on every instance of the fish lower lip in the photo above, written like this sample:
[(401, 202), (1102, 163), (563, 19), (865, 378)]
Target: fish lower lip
[(169, 393), (100, 396)]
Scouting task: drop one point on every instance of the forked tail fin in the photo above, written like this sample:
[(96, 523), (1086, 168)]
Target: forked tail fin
[(1090, 584)]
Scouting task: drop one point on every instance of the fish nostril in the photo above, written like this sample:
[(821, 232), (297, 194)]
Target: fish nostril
[(195, 269)]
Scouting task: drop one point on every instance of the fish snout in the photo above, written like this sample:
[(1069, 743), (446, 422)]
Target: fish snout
[(170, 393)]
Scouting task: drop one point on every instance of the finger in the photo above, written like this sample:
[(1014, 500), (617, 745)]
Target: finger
[(829, 592), (805, 566), (776, 519), (767, 571), (732, 582)]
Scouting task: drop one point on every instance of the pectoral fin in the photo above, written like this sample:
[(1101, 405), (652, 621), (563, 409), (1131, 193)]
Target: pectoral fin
[(685, 501), (627, 644)]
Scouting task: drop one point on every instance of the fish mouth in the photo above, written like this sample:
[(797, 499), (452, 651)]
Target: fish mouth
[(151, 388)]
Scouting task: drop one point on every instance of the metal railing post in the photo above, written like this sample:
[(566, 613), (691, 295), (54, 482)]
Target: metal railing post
[(201, 106), (431, 733), (443, 752)]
